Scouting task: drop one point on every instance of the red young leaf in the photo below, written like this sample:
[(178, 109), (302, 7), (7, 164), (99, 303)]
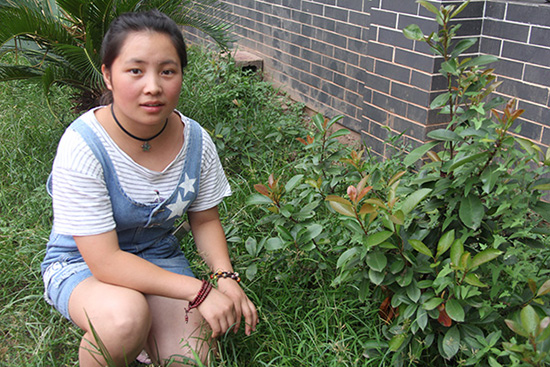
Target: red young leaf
[(262, 189), (443, 318)]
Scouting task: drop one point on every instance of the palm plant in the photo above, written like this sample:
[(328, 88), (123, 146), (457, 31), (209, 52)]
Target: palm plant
[(60, 40)]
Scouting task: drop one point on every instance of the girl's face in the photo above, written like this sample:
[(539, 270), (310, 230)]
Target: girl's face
[(145, 79)]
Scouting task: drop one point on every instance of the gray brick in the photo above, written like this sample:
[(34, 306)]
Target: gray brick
[(331, 38), (281, 12), (532, 93), (350, 4), (410, 94), (508, 68), (384, 18), (390, 104), (470, 27), (311, 56), (356, 73), (360, 19), (392, 71), (394, 38), (312, 7), (322, 72), (537, 75), (418, 114), (506, 30), (372, 142), (301, 17), (427, 25), (540, 36), (495, 10), (546, 136), (324, 23), (348, 30), (337, 13), (400, 6), (534, 112), (289, 25), (415, 60), (334, 65), (327, 2), (410, 128), (346, 56), (530, 14), (528, 129), (530, 54), (379, 51), (366, 63), (322, 48), (309, 31), (273, 21), (490, 46), (357, 46), (293, 4), (376, 82), (437, 119), (310, 79)]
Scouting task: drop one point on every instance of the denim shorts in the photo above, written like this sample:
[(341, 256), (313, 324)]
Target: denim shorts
[(63, 269)]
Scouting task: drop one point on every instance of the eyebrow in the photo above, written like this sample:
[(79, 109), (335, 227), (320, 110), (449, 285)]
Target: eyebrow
[(140, 61)]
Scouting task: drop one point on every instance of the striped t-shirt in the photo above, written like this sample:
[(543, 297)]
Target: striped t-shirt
[(81, 203)]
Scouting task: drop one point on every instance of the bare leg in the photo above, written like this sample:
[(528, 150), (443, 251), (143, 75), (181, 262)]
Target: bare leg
[(120, 316), (172, 337)]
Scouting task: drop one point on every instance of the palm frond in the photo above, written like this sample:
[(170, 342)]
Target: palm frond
[(19, 72)]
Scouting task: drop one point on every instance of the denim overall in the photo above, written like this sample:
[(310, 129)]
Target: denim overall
[(142, 229)]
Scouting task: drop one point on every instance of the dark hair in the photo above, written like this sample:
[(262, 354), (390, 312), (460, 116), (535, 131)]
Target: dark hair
[(126, 23)]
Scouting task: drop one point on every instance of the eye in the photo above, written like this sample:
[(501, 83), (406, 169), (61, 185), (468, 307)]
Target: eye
[(134, 71), (168, 72)]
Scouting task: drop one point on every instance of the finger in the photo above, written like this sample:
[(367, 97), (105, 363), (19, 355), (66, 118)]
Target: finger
[(238, 317), (251, 317)]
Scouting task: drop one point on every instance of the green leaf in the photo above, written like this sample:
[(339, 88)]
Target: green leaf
[(480, 60), (457, 248), (274, 243), (455, 310), (418, 153), (451, 342), (347, 255), (516, 328), (339, 133), (462, 46), (445, 242), (258, 199), (465, 160), (251, 246), (311, 232), (471, 211), (544, 289), (444, 135), (432, 303), (396, 342), (376, 260), (483, 257), (429, 6), (413, 292), (293, 182), (413, 199), (251, 271), (473, 279), (376, 277), (377, 238), (413, 32), (543, 209), (440, 100), (529, 319), (420, 247), (343, 209)]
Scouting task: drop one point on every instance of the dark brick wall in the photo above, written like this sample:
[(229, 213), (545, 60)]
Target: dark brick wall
[(350, 57)]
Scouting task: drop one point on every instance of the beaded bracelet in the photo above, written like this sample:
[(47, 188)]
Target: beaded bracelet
[(201, 296), (225, 274)]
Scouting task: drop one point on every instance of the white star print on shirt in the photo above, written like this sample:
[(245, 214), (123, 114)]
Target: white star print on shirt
[(177, 208)]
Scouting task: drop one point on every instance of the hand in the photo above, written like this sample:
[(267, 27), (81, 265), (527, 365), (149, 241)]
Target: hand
[(242, 304), (219, 312)]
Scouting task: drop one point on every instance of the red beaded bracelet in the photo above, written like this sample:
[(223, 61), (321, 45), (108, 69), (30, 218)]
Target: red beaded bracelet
[(201, 296), (225, 274)]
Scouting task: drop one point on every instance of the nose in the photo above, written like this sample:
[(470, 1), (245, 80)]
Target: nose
[(152, 85)]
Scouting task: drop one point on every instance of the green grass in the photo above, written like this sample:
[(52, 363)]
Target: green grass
[(254, 127)]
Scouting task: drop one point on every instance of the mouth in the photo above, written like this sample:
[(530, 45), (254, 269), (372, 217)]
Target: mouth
[(152, 104)]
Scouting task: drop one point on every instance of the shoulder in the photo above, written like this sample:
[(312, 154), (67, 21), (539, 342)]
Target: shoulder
[(73, 153)]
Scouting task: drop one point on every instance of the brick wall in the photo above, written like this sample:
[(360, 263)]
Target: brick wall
[(349, 57)]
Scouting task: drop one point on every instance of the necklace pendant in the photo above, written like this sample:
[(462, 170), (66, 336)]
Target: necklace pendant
[(145, 146)]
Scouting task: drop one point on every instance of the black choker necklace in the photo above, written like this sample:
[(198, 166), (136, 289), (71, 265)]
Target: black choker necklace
[(145, 146)]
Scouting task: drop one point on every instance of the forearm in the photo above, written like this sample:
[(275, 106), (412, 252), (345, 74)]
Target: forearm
[(111, 265), (210, 239)]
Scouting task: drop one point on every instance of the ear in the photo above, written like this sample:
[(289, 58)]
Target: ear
[(106, 76)]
